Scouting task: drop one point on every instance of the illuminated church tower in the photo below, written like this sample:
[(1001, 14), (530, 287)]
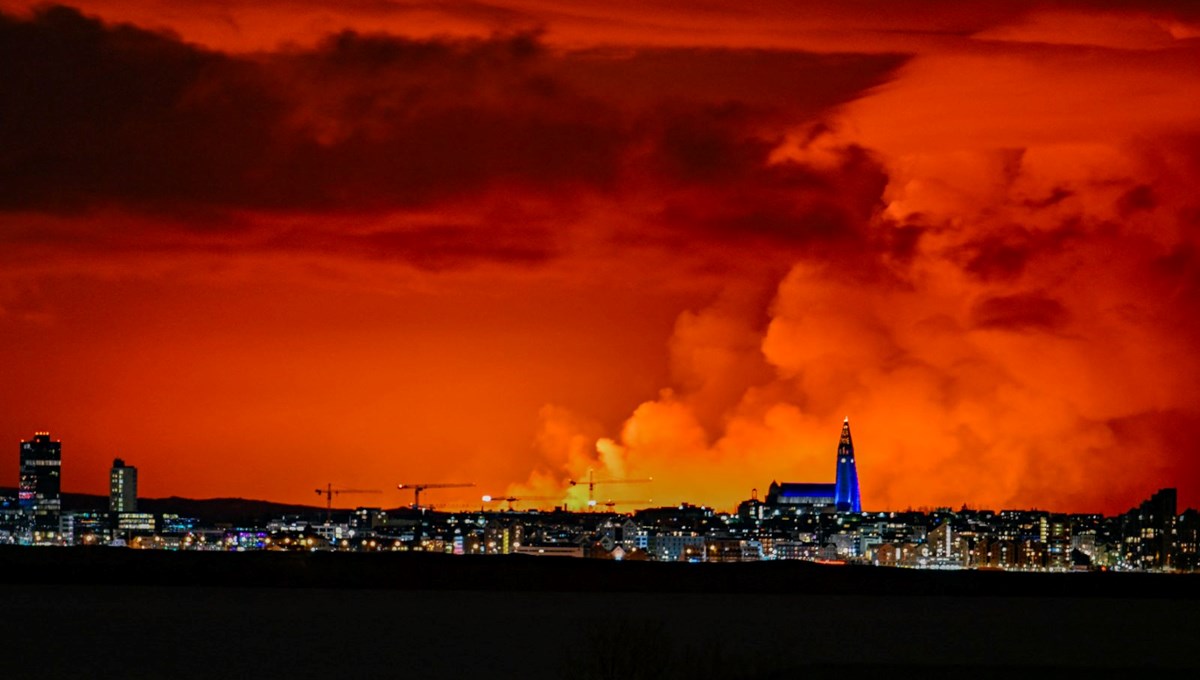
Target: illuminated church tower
[(845, 495)]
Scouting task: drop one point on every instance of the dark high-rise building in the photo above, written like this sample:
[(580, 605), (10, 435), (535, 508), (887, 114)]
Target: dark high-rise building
[(39, 493), (122, 487), (1148, 531), (845, 496)]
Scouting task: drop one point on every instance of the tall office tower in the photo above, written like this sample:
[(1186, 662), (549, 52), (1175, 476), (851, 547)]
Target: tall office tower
[(40, 487), (845, 495), (1153, 524), (122, 487)]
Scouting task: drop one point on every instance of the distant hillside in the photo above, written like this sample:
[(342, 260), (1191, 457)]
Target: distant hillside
[(231, 510), (207, 510)]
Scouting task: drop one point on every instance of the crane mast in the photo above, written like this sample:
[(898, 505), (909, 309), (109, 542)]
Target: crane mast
[(591, 482), (513, 499), (423, 486), (329, 492), (610, 504)]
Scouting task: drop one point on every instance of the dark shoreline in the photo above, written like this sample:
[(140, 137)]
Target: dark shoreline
[(516, 573)]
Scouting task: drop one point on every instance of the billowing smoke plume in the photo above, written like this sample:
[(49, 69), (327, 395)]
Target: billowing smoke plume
[(1035, 347)]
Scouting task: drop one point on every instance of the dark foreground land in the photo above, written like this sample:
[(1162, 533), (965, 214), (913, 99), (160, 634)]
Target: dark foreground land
[(113, 613)]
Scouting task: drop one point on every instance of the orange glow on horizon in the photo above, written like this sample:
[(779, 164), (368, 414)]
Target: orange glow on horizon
[(256, 247)]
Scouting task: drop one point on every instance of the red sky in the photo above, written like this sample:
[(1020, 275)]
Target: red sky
[(254, 247)]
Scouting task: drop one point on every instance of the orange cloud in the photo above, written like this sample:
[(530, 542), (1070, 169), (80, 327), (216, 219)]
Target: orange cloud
[(506, 243)]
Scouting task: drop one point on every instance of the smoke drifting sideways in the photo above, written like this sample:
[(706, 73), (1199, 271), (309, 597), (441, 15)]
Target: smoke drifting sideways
[(975, 233), (1016, 329)]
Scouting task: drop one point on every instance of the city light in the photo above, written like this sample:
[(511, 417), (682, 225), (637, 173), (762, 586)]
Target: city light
[(814, 521)]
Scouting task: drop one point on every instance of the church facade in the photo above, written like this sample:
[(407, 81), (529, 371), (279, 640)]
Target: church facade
[(841, 496)]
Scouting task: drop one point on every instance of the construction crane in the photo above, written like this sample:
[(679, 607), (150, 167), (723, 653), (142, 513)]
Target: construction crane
[(329, 492), (418, 488), (513, 499), (610, 504), (592, 482)]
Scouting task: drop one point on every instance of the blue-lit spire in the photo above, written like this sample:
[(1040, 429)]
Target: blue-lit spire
[(845, 496)]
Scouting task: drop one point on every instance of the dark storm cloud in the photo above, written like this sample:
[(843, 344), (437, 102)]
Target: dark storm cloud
[(997, 257), (1004, 253), (1167, 438), (430, 248), (117, 117), (95, 114), (1180, 270), (1057, 196), (1137, 199), (1019, 312), (785, 203)]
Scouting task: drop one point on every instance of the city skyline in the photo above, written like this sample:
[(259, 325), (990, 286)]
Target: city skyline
[(41, 465), (254, 249), (806, 521)]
